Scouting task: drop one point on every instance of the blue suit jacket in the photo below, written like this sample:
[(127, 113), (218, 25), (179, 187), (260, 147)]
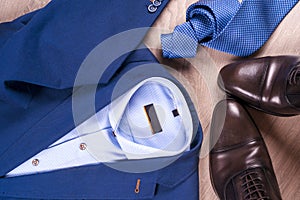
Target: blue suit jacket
[(40, 55)]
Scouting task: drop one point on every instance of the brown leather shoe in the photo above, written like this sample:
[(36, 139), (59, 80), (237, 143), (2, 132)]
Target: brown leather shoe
[(270, 84), (240, 166)]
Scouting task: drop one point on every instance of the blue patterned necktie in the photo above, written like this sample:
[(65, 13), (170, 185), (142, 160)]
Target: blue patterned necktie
[(226, 25)]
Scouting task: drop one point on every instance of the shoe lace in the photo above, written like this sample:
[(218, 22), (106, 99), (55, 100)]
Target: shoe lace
[(253, 188), (294, 74)]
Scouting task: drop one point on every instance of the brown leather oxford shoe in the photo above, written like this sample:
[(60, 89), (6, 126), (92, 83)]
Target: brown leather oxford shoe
[(240, 166), (270, 84)]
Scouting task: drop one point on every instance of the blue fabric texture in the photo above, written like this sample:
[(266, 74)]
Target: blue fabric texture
[(40, 55), (229, 26)]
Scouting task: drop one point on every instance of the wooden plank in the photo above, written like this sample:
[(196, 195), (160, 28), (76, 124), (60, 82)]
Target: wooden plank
[(199, 74)]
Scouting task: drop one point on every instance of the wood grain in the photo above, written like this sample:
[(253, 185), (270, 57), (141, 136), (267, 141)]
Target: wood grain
[(199, 75)]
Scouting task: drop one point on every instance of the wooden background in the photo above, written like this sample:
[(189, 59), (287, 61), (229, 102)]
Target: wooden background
[(199, 75)]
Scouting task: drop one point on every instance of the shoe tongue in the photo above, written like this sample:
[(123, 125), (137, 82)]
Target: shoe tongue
[(250, 184)]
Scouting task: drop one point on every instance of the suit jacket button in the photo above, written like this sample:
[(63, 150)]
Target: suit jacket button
[(152, 8), (156, 3)]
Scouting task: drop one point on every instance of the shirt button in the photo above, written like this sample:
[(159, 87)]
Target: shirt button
[(35, 162), (82, 146), (152, 8)]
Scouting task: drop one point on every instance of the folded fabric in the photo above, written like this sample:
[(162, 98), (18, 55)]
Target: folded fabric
[(230, 26), (165, 172), (123, 131), (41, 56)]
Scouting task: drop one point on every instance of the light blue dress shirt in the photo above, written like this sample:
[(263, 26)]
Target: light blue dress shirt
[(122, 131)]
